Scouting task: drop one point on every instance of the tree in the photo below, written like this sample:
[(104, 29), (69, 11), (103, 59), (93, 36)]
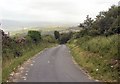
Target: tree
[(64, 37), (57, 35), (107, 21), (81, 25), (88, 22), (115, 28)]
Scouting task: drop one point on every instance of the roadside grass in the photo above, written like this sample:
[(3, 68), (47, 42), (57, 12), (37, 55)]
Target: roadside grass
[(0, 69), (98, 55), (105, 46), (12, 65)]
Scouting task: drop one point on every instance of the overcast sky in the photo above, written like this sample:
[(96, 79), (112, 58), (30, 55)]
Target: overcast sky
[(52, 10)]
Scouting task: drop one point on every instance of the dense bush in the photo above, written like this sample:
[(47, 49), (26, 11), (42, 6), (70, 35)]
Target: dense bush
[(14, 47), (57, 35), (49, 38), (11, 48), (34, 35), (65, 37)]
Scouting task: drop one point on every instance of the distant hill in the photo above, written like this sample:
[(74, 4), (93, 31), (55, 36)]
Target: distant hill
[(13, 25)]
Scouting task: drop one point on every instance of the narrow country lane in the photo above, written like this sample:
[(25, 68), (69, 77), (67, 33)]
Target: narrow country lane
[(53, 65)]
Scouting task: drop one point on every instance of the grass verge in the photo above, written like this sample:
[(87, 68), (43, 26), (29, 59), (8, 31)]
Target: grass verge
[(97, 55)]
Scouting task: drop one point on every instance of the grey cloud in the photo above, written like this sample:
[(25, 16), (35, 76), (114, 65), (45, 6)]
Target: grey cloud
[(60, 10)]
